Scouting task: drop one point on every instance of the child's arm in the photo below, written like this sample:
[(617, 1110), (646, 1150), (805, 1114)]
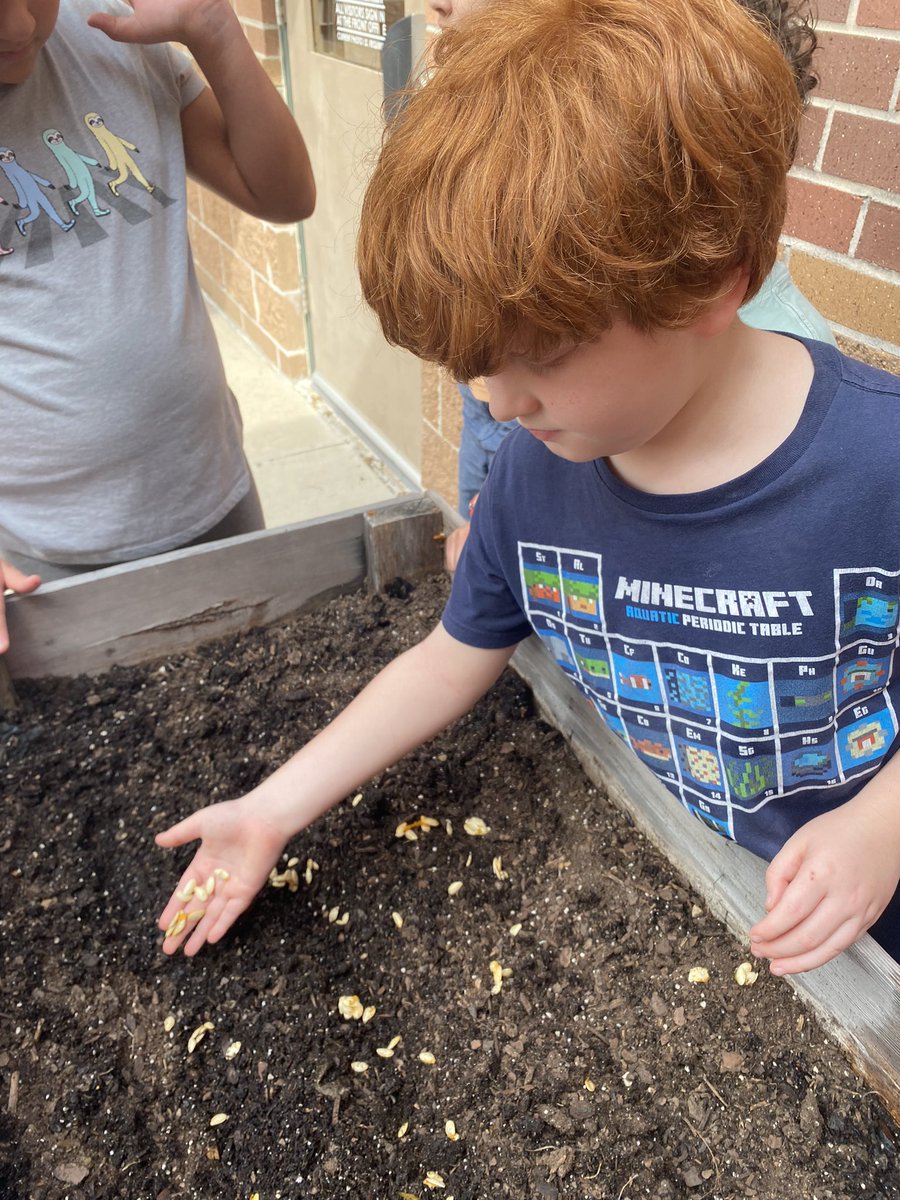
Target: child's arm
[(832, 879), (16, 581), (239, 137), (413, 698)]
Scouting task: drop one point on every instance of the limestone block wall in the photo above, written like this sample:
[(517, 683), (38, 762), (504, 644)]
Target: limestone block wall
[(249, 268)]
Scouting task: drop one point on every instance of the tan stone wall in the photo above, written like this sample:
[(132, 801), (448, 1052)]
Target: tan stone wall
[(249, 268)]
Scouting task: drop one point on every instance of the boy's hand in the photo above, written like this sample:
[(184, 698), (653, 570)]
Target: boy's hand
[(157, 21), (827, 885), (14, 580), (234, 841)]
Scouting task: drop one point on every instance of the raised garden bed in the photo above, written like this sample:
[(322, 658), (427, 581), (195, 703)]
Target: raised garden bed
[(697, 1090)]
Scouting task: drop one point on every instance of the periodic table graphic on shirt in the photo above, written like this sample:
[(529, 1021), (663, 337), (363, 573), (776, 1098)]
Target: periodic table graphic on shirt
[(725, 733)]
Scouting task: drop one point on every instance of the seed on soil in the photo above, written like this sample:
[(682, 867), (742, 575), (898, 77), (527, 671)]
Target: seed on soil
[(745, 976), (384, 1052), (475, 827), (498, 868), (359, 1067), (169, 1024), (189, 888), (515, 930), (403, 1130), (198, 1035), (287, 878), (397, 919), (292, 862), (448, 826), (232, 1050), (589, 1085), (427, 1057), (350, 1008), (333, 914), (356, 799), (343, 920), (454, 887), (450, 1130), (434, 1180), (177, 923), (311, 865), (497, 976), (698, 975), (218, 1119), (368, 1013)]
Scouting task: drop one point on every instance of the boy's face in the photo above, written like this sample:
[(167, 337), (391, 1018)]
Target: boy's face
[(24, 27), (602, 398), (448, 12)]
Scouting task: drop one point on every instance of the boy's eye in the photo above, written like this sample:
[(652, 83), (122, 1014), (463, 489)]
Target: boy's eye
[(543, 366)]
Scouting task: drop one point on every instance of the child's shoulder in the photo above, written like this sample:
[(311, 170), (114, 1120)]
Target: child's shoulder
[(867, 377)]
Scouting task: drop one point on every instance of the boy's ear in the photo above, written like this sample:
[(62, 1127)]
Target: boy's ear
[(719, 315)]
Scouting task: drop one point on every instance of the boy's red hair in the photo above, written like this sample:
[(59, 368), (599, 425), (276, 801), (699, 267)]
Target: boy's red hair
[(571, 162)]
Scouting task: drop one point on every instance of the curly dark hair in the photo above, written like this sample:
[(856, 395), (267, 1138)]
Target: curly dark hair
[(790, 23)]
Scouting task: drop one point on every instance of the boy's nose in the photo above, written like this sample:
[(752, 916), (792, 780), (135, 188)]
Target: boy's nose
[(508, 402)]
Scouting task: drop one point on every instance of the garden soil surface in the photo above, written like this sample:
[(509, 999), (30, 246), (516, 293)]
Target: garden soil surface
[(597, 1070)]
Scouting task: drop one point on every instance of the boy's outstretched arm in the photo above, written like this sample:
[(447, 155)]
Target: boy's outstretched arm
[(833, 879), (239, 136), (16, 581), (412, 699)]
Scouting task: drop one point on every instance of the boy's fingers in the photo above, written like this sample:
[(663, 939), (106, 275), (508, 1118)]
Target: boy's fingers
[(176, 835), (114, 27), (794, 906), (835, 944)]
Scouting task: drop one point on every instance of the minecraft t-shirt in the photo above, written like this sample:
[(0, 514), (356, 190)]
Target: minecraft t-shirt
[(741, 640), (120, 437)]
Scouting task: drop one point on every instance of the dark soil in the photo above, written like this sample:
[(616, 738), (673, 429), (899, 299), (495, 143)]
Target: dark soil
[(699, 1091)]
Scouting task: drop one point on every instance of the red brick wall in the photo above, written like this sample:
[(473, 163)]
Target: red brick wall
[(843, 227)]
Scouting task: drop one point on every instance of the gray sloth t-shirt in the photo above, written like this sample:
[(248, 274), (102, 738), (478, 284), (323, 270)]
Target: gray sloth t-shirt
[(119, 435)]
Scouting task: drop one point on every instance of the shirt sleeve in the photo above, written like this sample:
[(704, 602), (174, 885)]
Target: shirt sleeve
[(485, 609)]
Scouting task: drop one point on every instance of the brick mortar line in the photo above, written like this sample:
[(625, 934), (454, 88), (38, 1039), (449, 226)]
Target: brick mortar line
[(823, 141), (860, 222), (865, 191), (877, 32), (895, 95), (875, 343), (881, 115), (297, 291), (870, 271)]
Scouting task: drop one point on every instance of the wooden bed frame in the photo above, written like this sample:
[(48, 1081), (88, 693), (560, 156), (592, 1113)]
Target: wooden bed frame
[(169, 604)]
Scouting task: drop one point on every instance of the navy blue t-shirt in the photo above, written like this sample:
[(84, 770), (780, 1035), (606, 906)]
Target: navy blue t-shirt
[(741, 640)]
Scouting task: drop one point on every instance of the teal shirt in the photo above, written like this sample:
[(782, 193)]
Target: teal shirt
[(780, 305)]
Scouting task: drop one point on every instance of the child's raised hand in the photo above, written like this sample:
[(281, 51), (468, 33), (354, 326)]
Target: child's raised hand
[(237, 851), (154, 21), (826, 886)]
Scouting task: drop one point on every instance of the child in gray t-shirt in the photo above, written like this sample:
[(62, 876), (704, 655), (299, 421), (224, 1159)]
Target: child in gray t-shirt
[(120, 436)]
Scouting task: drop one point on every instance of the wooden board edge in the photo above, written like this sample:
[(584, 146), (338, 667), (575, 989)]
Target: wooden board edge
[(856, 997)]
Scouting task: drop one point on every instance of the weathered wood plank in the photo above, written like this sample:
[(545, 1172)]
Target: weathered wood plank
[(164, 605), (403, 541), (856, 996)]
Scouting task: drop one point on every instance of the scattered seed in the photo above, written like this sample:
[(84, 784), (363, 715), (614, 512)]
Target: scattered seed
[(311, 865), (429, 822), (589, 1085), (356, 799), (350, 1008), (434, 1180), (384, 1052), (698, 975), (232, 1050), (169, 1024), (403, 1130), (189, 888), (427, 1057), (198, 1035), (745, 976), (475, 827), (397, 919), (448, 827), (454, 887), (469, 859), (408, 1196), (515, 930), (292, 862), (628, 1079), (498, 868), (333, 914), (212, 1153), (343, 919), (497, 976), (368, 1013), (450, 1130), (359, 1067), (411, 835), (218, 1119), (177, 924)]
